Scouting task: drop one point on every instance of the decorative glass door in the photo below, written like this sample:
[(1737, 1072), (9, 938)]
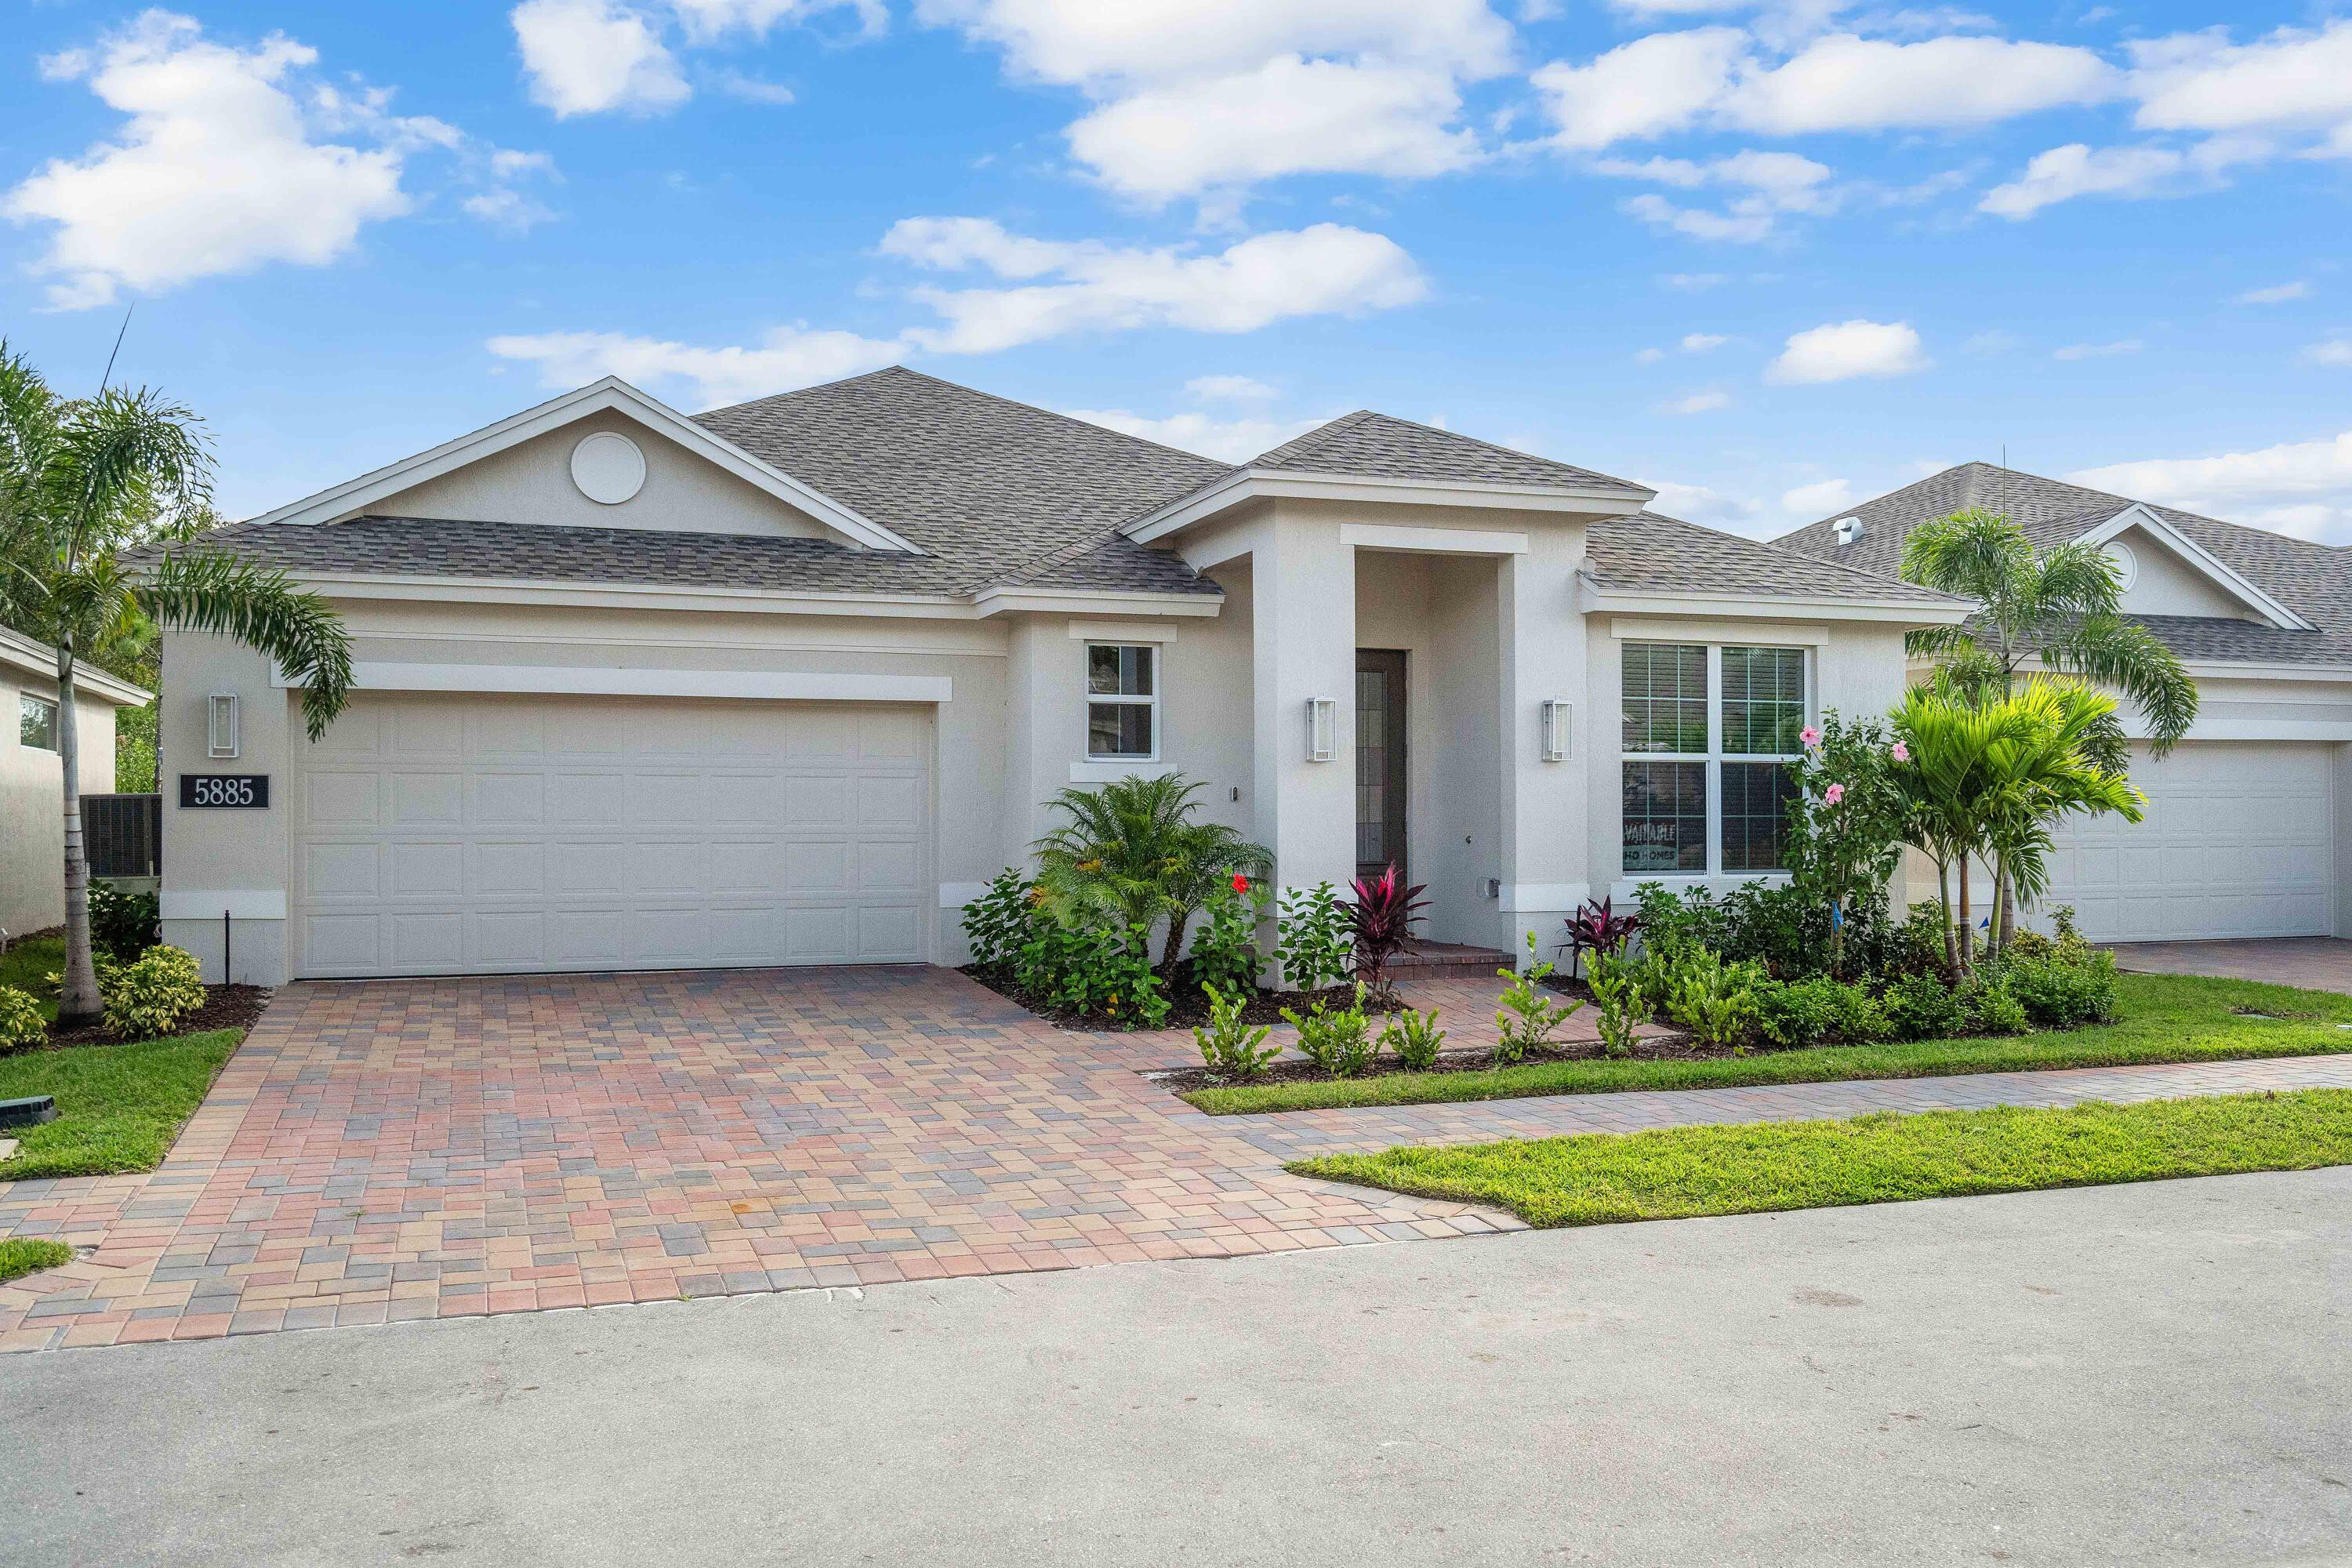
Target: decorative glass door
[(1379, 761)]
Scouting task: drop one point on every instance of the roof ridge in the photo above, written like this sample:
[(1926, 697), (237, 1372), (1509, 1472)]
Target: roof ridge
[(1774, 544), (1301, 441)]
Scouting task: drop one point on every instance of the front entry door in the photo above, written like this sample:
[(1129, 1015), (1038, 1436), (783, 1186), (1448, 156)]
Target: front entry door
[(1379, 761)]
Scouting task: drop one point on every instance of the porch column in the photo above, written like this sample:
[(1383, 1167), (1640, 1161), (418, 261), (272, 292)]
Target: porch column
[(1303, 646), (1546, 831)]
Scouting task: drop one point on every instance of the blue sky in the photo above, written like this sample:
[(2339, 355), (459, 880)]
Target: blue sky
[(1771, 258)]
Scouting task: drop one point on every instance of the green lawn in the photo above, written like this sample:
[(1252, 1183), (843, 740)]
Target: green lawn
[(27, 966), (119, 1107), (1679, 1172), (2161, 1018), (25, 1255)]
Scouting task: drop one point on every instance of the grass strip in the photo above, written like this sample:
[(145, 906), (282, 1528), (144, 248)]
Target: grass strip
[(23, 1255), (119, 1107), (2161, 1018), (1680, 1172)]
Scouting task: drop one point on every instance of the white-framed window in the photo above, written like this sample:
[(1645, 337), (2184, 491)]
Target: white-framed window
[(1122, 703), (1710, 731), (36, 722)]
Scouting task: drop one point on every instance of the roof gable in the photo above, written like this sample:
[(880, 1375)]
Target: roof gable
[(1365, 445)]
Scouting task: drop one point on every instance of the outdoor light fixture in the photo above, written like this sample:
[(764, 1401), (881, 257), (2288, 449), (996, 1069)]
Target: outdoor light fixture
[(1322, 728), (1557, 712), (220, 724)]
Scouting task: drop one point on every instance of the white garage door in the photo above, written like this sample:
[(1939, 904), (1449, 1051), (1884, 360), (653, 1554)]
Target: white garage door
[(464, 835), (2239, 840)]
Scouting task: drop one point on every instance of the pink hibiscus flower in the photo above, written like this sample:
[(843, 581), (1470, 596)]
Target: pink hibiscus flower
[(1834, 795), (1902, 753), (1809, 737)]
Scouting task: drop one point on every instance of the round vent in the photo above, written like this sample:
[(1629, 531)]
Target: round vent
[(2127, 563), (608, 468)]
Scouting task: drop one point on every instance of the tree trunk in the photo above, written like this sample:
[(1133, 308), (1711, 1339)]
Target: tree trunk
[(1168, 954), (1944, 902), (2004, 923), (78, 998), (1968, 925)]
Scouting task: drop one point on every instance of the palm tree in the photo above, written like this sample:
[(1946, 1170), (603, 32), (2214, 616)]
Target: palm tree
[(1131, 852), (83, 481), (2059, 608), (1945, 786)]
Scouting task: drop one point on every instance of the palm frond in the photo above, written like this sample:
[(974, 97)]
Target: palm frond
[(2128, 657), (210, 591)]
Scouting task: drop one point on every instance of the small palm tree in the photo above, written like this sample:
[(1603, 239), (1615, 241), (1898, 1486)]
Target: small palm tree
[(83, 481), (1133, 852)]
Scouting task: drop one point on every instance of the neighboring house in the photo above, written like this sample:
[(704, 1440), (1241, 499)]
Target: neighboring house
[(786, 682), (2248, 816), (32, 791)]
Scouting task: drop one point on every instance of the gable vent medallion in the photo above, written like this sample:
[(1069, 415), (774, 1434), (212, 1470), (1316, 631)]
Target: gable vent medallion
[(608, 468)]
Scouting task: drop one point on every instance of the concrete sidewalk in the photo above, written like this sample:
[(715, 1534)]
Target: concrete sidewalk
[(2148, 1374)]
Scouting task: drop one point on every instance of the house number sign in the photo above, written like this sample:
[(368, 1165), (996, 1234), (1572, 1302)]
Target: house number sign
[(232, 792)]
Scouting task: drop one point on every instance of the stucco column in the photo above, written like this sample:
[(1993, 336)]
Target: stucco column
[(1303, 646), (1545, 841)]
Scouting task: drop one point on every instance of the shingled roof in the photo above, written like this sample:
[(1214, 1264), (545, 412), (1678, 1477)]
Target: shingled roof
[(1376, 446), (2313, 580), (1649, 553)]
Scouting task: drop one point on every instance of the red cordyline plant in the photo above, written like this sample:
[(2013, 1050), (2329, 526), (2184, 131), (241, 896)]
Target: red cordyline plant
[(1594, 929), (1381, 920)]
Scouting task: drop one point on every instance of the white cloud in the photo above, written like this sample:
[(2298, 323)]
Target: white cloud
[(1817, 499), (2098, 350), (2201, 82), (1716, 78), (508, 210), (223, 164), (2077, 170), (1285, 116), (1693, 282), (1697, 503), (1701, 342), (2276, 294), (589, 57), (1993, 341), (751, 89), (1649, 356), (1326, 269), (1229, 389), (1773, 183), (2334, 352), (1841, 351), (707, 21), (1227, 440), (2299, 487), (1697, 403), (786, 358)]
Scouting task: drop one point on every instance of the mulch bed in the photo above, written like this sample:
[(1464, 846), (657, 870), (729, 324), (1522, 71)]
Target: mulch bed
[(225, 1008), (1648, 1047), (1188, 1004)]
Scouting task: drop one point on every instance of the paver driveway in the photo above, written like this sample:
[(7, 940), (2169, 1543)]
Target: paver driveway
[(2314, 963), (421, 1149)]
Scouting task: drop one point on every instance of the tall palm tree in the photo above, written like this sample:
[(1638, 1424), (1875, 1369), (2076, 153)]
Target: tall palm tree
[(1133, 852), (82, 482), (2059, 609)]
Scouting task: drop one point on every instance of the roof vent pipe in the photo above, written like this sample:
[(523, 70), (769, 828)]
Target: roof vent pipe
[(1848, 530)]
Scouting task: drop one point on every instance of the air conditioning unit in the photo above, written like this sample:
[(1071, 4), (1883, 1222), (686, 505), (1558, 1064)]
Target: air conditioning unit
[(1848, 529)]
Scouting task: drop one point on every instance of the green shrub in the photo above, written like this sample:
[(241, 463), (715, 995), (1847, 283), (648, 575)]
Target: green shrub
[(1312, 942), (123, 925), (1224, 949), (1340, 1042), (1922, 1007), (1992, 1007), (1002, 920), (1526, 1019), (1229, 1047), (2058, 994), (1094, 973), (1819, 1011), (21, 1024), (151, 998), (1716, 1001), (1618, 987), (1918, 944), (1414, 1038)]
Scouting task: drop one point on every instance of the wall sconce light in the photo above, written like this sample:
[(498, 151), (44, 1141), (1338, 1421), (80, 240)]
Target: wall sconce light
[(220, 724), (1322, 728), (1559, 714)]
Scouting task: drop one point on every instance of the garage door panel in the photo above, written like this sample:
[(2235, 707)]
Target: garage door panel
[(448, 834), (2238, 839)]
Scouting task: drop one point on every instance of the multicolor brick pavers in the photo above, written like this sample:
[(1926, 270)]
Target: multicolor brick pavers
[(394, 1150)]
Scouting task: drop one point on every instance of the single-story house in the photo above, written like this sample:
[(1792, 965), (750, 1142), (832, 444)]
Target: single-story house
[(786, 682), (2249, 817), (32, 791)]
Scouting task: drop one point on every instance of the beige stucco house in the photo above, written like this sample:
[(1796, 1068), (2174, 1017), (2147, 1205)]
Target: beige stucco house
[(2249, 824), (32, 798), (785, 683)]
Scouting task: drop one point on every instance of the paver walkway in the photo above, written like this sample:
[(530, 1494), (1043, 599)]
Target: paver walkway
[(2314, 963), (421, 1149)]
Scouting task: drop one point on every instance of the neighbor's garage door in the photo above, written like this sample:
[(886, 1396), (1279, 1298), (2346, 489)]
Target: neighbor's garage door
[(2239, 840), (457, 834)]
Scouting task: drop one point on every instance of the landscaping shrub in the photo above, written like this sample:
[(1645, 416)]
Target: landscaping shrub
[(1783, 926), (2060, 994), (1618, 987), (1414, 1038), (1819, 1011), (21, 1024), (123, 925), (1314, 940), (1525, 1018), (999, 923), (1094, 972), (1598, 930), (1381, 920), (1224, 949), (1715, 1001), (1131, 853), (1339, 1042), (1844, 841), (1992, 1008), (1922, 1007), (1230, 1048), (153, 996)]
